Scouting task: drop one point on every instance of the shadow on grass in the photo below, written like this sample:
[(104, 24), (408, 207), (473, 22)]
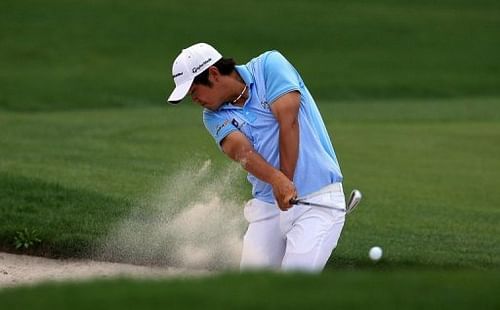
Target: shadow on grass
[(67, 221)]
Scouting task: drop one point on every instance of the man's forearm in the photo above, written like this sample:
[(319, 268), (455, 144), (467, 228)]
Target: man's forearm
[(257, 166), (237, 147), (289, 148)]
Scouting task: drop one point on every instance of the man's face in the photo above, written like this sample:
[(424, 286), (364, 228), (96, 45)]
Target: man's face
[(213, 96), (206, 96)]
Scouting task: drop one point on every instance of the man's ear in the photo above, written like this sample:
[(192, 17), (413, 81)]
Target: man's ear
[(214, 74)]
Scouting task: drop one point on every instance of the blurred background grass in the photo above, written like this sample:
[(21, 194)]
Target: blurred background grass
[(401, 289), (94, 54)]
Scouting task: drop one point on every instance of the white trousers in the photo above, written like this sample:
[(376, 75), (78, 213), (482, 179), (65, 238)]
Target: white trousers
[(302, 238)]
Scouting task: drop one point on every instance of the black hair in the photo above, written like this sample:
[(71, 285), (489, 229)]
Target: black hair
[(225, 66)]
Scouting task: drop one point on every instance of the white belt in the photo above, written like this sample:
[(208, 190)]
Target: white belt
[(335, 187)]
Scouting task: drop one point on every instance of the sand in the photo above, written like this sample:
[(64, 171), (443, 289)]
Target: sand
[(18, 270)]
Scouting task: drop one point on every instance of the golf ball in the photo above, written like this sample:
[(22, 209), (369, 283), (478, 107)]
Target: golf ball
[(375, 253)]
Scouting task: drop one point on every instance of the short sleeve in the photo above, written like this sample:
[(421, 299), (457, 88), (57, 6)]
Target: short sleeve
[(218, 125), (280, 76)]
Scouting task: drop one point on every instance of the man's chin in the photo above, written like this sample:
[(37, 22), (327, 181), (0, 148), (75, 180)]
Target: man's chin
[(213, 107)]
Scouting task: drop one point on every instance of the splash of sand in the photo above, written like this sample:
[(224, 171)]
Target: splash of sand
[(190, 221)]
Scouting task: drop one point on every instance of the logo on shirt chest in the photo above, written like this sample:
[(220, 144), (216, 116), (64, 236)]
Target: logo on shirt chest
[(235, 123), (238, 123), (265, 105)]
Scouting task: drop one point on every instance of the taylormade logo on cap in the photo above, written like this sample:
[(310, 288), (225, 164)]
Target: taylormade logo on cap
[(190, 63), (201, 66)]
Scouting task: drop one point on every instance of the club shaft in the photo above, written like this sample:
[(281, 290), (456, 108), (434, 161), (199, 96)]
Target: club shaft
[(312, 204)]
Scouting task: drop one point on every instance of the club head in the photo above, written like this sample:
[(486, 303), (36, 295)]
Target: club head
[(353, 201)]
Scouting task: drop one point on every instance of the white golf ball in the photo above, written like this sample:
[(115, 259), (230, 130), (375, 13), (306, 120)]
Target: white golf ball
[(375, 253)]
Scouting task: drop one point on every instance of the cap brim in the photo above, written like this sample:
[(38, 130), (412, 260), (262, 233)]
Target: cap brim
[(179, 92)]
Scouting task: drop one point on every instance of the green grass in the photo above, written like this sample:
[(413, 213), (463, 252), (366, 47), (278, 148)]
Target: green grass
[(353, 290), (67, 221), (93, 54)]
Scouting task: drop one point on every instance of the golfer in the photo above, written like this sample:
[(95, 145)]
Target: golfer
[(262, 115)]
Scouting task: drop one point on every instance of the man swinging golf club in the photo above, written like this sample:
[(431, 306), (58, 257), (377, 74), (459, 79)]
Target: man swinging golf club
[(262, 115)]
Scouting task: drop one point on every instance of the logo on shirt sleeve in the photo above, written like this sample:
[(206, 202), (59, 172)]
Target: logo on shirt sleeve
[(220, 126), (237, 124)]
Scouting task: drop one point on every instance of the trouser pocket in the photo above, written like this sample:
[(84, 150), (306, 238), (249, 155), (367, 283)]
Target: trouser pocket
[(257, 210)]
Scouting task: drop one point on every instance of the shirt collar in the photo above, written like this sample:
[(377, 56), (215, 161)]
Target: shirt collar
[(245, 74), (247, 78)]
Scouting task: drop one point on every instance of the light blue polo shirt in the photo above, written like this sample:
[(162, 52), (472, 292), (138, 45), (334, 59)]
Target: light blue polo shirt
[(268, 77)]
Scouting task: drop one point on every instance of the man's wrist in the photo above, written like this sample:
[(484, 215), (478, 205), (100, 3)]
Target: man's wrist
[(277, 177)]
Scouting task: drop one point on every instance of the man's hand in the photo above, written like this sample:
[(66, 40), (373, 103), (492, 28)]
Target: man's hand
[(284, 190)]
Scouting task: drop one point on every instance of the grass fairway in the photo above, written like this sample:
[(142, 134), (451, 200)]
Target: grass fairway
[(427, 169), (398, 289)]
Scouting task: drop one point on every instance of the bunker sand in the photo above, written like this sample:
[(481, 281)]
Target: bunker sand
[(18, 270)]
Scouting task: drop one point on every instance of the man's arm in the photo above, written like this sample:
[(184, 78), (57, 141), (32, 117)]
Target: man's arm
[(238, 148), (286, 110)]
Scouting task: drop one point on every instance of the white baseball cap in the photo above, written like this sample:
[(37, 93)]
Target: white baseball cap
[(190, 63)]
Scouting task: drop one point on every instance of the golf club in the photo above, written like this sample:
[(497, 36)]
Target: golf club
[(352, 203)]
